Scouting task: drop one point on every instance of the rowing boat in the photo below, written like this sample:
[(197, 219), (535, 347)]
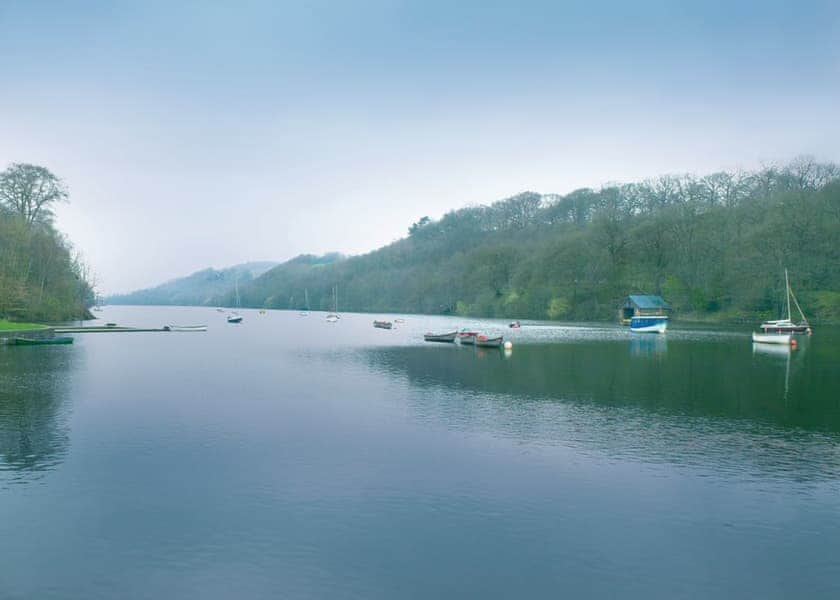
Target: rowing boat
[(467, 337), (19, 341), (441, 337), (482, 341), (383, 324)]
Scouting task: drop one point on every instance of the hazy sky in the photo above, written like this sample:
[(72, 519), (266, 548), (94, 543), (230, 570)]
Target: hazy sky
[(197, 134)]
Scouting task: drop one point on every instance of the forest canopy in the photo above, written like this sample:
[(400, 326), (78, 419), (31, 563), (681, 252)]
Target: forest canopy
[(714, 246), (40, 276)]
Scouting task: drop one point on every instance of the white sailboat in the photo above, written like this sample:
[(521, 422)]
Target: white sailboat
[(305, 312), (787, 325), (235, 317), (333, 316)]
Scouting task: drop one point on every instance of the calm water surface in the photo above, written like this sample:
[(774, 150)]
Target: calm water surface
[(287, 457)]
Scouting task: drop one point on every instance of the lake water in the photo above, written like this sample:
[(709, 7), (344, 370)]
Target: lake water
[(291, 458)]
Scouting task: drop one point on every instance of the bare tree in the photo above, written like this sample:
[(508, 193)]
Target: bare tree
[(31, 192)]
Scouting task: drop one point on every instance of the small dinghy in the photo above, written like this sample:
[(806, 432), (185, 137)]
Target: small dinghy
[(467, 337), (185, 327), (771, 338), (383, 324), (482, 341), (19, 341), (515, 325), (448, 338), (234, 318)]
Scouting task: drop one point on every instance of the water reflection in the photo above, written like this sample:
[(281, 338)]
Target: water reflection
[(710, 405), (648, 345), (33, 410)]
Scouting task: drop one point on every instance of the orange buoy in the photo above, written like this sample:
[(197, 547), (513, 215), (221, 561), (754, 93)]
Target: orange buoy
[(793, 343)]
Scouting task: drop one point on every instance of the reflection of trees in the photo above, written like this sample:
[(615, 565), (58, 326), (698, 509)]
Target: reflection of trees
[(708, 404), (683, 378), (33, 408)]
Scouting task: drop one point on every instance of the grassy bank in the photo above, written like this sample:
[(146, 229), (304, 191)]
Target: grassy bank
[(12, 326)]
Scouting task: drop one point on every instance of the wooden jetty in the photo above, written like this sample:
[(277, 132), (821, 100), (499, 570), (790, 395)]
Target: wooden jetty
[(99, 329)]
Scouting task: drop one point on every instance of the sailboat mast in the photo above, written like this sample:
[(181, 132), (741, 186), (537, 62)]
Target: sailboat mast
[(787, 292)]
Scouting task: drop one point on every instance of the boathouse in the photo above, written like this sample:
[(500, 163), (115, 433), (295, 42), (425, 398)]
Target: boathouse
[(637, 305)]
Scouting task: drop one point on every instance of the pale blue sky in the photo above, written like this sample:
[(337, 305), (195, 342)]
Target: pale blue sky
[(209, 133)]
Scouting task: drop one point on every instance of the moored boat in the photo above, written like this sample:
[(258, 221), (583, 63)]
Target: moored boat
[(383, 324), (236, 317), (305, 311), (20, 341), (482, 341), (787, 325), (467, 337), (333, 315), (649, 324), (441, 337), (771, 338), (515, 325)]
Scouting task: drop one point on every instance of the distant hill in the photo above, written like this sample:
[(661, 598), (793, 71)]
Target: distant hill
[(199, 289), (713, 246), (285, 285)]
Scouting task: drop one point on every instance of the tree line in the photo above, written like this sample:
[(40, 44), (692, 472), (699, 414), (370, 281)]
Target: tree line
[(41, 278), (714, 246)]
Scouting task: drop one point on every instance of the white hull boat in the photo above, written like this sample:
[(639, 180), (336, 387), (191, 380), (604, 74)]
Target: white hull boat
[(771, 338), (787, 325), (333, 316)]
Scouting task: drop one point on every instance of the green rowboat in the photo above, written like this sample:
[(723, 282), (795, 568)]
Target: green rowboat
[(41, 342)]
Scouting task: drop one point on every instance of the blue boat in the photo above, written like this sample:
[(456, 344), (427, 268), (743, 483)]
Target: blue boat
[(651, 324)]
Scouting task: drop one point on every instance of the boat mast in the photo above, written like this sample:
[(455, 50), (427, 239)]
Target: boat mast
[(787, 292)]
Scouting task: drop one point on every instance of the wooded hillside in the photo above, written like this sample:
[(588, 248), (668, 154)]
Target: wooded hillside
[(714, 246), (40, 276)]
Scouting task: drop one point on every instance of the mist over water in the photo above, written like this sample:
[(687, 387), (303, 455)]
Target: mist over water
[(292, 457)]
